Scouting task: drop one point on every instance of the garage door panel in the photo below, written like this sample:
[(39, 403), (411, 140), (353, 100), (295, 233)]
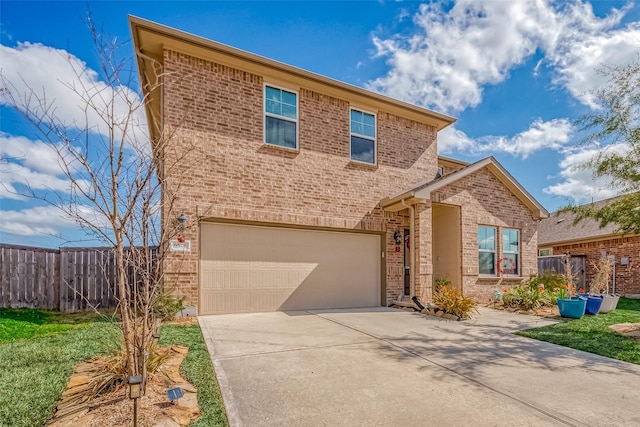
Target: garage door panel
[(251, 268)]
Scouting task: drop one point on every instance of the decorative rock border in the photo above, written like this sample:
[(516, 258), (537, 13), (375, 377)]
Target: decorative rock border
[(430, 310)]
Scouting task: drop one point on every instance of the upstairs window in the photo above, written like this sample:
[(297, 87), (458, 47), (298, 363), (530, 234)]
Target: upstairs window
[(511, 251), (487, 250), (363, 137), (280, 117)]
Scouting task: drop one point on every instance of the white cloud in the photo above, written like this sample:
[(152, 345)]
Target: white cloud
[(29, 163), (577, 63), (453, 54), (47, 220), (578, 182), (55, 74), (554, 134), (452, 140)]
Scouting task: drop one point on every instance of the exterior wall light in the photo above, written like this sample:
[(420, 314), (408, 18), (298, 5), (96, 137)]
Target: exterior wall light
[(397, 236), (182, 221)]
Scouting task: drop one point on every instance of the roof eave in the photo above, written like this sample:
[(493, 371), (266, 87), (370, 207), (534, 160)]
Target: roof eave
[(167, 37)]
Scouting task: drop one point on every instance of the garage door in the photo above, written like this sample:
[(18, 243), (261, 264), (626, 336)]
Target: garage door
[(252, 269)]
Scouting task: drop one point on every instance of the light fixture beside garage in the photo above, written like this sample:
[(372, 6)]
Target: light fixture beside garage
[(182, 221), (397, 236)]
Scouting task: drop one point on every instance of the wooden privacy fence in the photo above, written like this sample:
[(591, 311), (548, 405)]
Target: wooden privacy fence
[(67, 279), (556, 263)]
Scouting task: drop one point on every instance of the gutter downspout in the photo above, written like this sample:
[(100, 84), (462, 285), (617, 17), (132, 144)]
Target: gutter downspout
[(412, 245)]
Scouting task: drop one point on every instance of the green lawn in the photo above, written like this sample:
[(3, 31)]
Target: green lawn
[(198, 370), (39, 350), (592, 334), (19, 324)]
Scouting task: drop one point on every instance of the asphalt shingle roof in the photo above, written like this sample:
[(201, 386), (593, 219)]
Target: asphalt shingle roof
[(559, 228)]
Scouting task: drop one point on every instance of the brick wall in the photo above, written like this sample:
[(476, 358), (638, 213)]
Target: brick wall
[(627, 276), (219, 168), (486, 201)]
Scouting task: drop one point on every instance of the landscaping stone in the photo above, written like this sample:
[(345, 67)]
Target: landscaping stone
[(631, 330), (165, 421), (76, 409)]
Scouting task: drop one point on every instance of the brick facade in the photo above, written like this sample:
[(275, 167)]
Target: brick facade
[(484, 200), (627, 276), (216, 167), (223, 170)]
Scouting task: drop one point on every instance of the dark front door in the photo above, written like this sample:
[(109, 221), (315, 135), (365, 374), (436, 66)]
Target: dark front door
[(407, 262)]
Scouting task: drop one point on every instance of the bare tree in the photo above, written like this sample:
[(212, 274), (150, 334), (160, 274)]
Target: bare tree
[(115, 178)]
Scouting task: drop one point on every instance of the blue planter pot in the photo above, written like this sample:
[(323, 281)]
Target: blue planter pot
[(593, 304), (573, 308)]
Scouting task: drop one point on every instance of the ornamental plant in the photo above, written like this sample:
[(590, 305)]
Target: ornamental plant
[(536, 291), (451, 301), (600, 282)]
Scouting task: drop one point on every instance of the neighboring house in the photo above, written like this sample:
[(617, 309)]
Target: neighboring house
[(304, 192), (558, 235)]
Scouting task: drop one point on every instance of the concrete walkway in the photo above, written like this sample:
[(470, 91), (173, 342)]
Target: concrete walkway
[(385, 367)]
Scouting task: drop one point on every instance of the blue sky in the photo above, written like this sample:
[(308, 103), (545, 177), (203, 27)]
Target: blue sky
[(515, 74)]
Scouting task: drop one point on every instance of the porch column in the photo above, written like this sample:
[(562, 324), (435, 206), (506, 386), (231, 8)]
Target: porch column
[(423, 281)]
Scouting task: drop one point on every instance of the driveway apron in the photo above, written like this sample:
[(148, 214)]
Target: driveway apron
[(385, 367)]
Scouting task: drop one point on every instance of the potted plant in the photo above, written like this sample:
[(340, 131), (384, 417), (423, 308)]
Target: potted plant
[(600, 285), (568, 304)]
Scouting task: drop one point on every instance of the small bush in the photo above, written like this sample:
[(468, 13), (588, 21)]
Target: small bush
[(441, 281), (537, 291), (451, 301), (166, 306)]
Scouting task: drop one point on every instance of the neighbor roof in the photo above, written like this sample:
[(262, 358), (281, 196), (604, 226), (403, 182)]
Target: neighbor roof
[(151, 39), (559, 229), (424, 189)]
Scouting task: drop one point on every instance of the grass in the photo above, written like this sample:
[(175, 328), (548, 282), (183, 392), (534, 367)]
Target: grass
[(198, 370), (592, 333), (20, 324), (39, 350)]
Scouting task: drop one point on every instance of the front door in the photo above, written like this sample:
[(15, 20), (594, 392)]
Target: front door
[(407, 262)]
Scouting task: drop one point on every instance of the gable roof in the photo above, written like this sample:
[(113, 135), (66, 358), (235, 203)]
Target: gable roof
[(151, 39), (559, 229), (423, 190)]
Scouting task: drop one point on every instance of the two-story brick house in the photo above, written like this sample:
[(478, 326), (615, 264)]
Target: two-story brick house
[(304, 192)]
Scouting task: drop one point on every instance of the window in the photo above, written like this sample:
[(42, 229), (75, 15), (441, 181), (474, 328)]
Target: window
[(487, 250), (281, 117), (545, 252), (511, 251), (363, 137)]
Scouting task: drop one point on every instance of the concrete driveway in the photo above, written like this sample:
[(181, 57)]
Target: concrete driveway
[(385, 367)]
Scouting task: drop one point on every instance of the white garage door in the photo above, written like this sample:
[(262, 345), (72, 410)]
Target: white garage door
[(251, 269)]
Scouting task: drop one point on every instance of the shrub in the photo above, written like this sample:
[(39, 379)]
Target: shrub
[(441, 281), (537, 291), (166, 306), (451, 301)]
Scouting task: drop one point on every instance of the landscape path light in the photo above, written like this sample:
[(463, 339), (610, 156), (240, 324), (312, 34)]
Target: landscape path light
[(135, 390)]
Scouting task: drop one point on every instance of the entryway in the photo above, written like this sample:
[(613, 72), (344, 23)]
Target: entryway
[(447, 244)]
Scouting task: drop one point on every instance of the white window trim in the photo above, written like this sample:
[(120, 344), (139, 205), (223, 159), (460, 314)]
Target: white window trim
[(276, 116), (375, 136), (519, 255), (494, 251), (546, 249)]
